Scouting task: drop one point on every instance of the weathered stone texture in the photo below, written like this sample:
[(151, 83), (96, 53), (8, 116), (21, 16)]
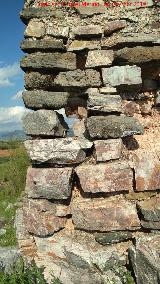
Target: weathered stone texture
[(60, 151), (75, 257), (44, 123), (47, 100), (130, 107), (88, 31), (90, 11), (104, 103), (43, 205), (92, 195), (99, 58), (150, 225), (113, 126), (150, 209), (110, 149), (105, 178), (112, 26), (35, 12), (79, 128), (45, 45), (135, 39), (9, 259), (36, 80), (138, 54), (57, 32), (147, 173), (42, 223), (35, 28), (113, 237), (77, 45), (108, 214), (53, 61), (78, 78), (145, 259), (21, 232), (49, 183), (125, 77)]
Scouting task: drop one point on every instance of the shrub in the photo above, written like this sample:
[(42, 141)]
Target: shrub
[(30, 275)]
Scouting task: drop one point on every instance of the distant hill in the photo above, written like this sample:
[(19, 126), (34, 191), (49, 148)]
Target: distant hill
[(17, 134)]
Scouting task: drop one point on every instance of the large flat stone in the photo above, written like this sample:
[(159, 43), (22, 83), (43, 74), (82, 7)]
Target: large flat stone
[(112, 26), (57, 32), (88, 31), (113, 237), (77, 45), (113, 126), (36, 12), (36, 80), (113, 177), (78, 78), (39, 45), (138, 55), (99, 58), (49, 183), (42, 223), (125, 77), (145, 259), (109, 214), (132, 40), (35, 29), (52, 61), (43, 99), (150, 209), (109, 149), (58, 151), (39, 99), (147, 173), (44, 123), (104, 103)]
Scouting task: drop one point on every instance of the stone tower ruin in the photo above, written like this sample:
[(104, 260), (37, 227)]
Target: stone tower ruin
[(91, 211)]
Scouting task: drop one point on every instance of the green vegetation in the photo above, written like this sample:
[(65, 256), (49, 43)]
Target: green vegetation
[(129, 278), (4, 159), (11, 144), (126, 275), (12, 183), (29, 275)]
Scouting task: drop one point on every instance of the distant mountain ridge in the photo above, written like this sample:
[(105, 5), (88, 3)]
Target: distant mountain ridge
[(16, 134)]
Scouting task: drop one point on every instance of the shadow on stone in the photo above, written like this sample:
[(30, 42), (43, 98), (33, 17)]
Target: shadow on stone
[(131, 143)]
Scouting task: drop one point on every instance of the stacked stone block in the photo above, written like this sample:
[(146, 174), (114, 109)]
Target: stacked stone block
[(92, 200)]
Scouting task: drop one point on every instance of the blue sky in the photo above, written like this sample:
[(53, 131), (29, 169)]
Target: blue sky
[(11, 76)]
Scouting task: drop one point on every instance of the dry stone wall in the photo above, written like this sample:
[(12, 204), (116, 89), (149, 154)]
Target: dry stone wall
[(91, 211)]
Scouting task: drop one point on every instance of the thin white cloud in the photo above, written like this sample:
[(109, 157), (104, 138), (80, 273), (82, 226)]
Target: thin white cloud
[(12, 114), (18, 95), (7, 73)]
